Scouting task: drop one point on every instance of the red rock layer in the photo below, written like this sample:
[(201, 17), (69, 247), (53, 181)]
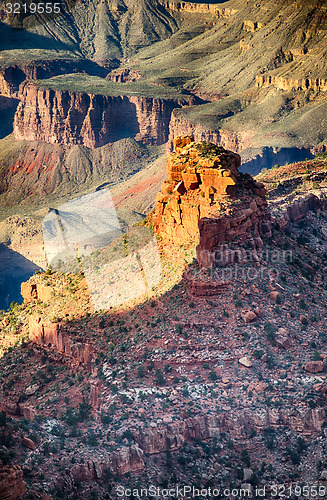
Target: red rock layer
[(64, 117), (12, 486), (206, 198), (12, 76), (51, 335)]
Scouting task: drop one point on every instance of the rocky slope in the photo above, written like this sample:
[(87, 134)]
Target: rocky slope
[(99, 30), (35, 173)]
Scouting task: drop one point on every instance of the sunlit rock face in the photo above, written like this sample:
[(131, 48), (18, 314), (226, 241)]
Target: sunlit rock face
[(207, 199)]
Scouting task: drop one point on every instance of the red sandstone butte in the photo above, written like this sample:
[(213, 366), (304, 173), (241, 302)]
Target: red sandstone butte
[(207, 200)]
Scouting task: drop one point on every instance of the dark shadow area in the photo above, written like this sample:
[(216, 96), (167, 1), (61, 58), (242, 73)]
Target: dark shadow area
[(7, 110), (14, 270), (11, 38), (122, 119), (268, 157)]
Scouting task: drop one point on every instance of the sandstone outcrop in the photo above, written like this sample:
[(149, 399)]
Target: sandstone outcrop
[(202, 285), (70, 118), (52, 336), (162, 437), (314, 366), (252, 26), (207, 199), (124, 75), (18, 409), (159, 438), (286, 83), (128, 459), (298, 209), (12, 486), (36, 291), (198, 8)]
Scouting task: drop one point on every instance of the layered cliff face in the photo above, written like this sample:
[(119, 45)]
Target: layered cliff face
[(206, 197), (236, 141), (198, 8), (284, 83), (65, 117)]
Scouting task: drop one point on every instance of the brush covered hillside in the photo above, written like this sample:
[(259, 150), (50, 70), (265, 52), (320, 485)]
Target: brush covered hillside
[(216, 377)]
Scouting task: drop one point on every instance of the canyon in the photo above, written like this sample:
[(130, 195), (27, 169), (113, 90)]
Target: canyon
[(215, 374)]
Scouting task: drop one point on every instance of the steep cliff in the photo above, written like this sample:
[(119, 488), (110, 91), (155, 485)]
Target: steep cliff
[(289, 83), (235, 141), (66, 117), (206, 196)]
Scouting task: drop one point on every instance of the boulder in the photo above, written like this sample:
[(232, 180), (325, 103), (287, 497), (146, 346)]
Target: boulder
[(314, 366), (249, 316), (32, 389), (245, 361), (323, 475), (28, 443), (247, 475), (275, 296), (281, 339)]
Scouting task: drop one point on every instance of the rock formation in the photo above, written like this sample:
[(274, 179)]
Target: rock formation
[(198, 8), (124, 75), (206, 198), (52, 336), (66, 117), (12, 486), (284, 83)]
